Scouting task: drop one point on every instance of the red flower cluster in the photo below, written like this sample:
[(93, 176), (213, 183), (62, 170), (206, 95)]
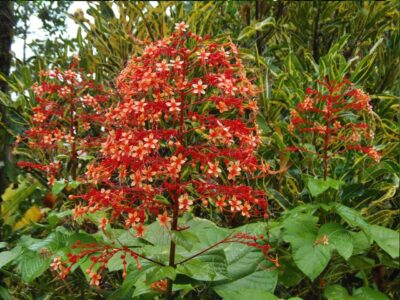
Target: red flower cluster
[(329, 116), (183, 133), (65, 122)]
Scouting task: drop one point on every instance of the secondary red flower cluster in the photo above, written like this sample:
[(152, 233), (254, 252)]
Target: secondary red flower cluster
[(330, 116), (65, 122)]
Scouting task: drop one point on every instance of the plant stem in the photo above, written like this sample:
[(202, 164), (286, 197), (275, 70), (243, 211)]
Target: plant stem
[(175, 208), (72, 133), (172, 247), (327, 134)]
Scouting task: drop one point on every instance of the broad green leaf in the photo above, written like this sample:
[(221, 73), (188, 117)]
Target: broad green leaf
[(361, 262), (32, 265), (58, 186), (185, 238), (317, 186), (245, 293), (300, 229), (336, 292), (353, 218), (361, 243), (6, 257), (311, 259), (5, 294), (366, 293), (157, 234), (387, 239), (209, 266), (116, 263), (158, 273), (260, 279), (338, 237), (247, 268), (207, 232)]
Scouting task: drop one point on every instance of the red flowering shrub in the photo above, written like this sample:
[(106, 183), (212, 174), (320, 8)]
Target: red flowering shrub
[(329, 118), (65, 122), (183, 134)]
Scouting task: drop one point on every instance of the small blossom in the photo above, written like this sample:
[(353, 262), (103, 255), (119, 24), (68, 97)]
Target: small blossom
[(184, 202), (133, 218), (234, 170), (181, 26), (139, 106), (203, 54), (173, 105), (213, 169), (140, 229), (56, 265), (236, 205), (150, 142), (199, 88), (162, 66), (95, 278), (164, 219), (177, 63)]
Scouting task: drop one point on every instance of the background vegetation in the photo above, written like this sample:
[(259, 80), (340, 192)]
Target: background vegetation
[(286, 46)]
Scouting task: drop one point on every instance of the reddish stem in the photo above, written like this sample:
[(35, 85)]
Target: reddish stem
[(73, 146), (175, 208)]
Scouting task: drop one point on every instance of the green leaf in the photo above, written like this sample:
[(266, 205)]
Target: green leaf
[(207, 232), (387, 239), (366, 293), (186, 239), (246, 32), (5, 294), (115, 263), (162, 199), (353, 218), (311, 259), (361, 243), (158, 273), (247, 267), (317, 186), (336, 292), (245, 293), (266, 22), (86, 157), (209, 266), (289, 274), (58, 187), (32, 265), (6, 257), (279, 198), (339, 237), (300, 229)]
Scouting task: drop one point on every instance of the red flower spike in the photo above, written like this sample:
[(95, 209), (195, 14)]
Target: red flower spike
[(70, 108), (323, 118)]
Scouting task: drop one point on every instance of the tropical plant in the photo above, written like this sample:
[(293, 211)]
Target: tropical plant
[(335, 238)]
